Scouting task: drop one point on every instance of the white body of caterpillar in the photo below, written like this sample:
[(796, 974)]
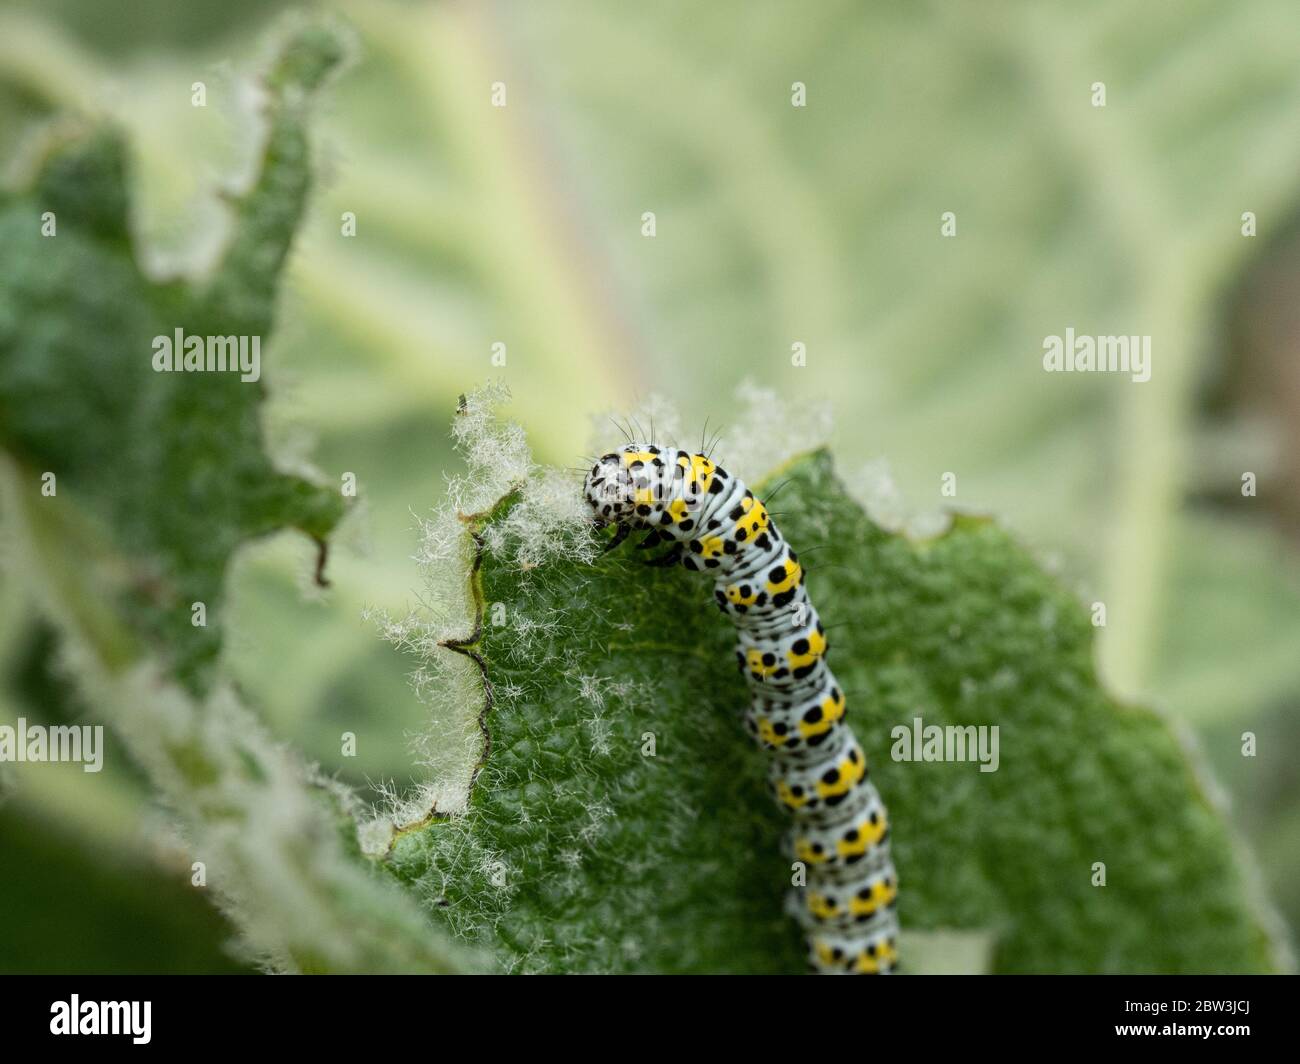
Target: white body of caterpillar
[(817, 770)]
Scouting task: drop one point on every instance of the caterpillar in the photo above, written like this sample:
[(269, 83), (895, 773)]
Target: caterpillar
[(817, 770)]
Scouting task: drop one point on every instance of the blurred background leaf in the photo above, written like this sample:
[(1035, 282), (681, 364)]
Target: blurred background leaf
[(163, 477)]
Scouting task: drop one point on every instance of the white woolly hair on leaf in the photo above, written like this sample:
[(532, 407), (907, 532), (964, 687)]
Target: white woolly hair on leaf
[(928, 523), (497, 461), (549, 521), (874, 488), (768, 430), (496, 453)]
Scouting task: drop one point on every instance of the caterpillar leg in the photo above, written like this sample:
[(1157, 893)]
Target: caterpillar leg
[(621, 533), (669, 557), (651, 539)]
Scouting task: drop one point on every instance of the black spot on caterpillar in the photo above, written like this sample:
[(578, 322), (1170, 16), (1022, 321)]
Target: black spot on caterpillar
[(817, 770)]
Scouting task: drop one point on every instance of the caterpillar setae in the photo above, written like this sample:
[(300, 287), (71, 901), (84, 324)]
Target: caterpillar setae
[(817, 770)]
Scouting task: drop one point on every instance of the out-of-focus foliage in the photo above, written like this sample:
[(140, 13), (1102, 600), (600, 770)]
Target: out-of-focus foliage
[(171, 463), (158, 477), (774, 225)]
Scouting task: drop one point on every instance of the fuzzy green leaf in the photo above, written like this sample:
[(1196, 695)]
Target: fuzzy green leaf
[(160, 478), (172, 464), (579, 852)]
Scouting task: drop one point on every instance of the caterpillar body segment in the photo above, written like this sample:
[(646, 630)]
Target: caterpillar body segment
[(817, 770)]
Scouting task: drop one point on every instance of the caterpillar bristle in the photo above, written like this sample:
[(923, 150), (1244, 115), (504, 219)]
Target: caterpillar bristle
[(622, 431), (773, 493)]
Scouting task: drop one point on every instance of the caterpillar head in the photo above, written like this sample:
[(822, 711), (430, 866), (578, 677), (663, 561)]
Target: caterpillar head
[(610, 489)]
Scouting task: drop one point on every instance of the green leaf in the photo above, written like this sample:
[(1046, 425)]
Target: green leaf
[(172, 464), (578, 852), (161, 477)]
